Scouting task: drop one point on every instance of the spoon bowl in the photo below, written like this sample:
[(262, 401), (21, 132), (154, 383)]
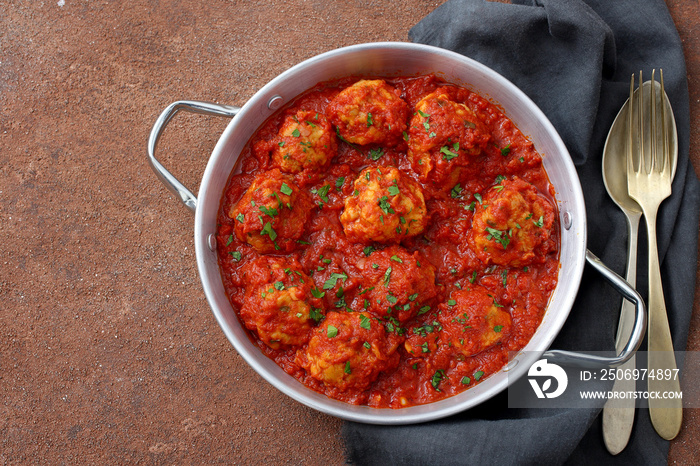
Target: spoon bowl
[(615, 154)]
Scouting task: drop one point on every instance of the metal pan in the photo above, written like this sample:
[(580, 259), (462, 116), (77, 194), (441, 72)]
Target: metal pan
[(386, 60)]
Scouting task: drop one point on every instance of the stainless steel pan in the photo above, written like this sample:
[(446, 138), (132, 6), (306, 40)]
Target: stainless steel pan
[(386, 60)]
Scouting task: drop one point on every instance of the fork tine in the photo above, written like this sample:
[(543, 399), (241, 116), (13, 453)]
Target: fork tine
[(640, 122), (654, 163), (666, 151), (630, 130)]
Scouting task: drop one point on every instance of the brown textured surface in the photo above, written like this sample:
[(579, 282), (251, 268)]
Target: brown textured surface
[(108, 350)]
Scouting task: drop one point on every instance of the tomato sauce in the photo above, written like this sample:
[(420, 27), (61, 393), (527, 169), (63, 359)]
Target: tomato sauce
[(418, 316)]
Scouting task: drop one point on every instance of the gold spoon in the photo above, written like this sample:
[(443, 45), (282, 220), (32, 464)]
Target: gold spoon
[(618, 415)]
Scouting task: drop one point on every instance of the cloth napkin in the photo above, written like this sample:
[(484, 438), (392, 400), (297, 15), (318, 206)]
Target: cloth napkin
[(574, 58)]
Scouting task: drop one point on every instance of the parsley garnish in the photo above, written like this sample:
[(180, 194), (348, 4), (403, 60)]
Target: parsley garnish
[(333, 280), (387, 276), (375, 154), (447, 154), (437, 378), (271, 212), (498, 236), (365, 323), (268, 230), (332, 331), (385, 206), (285, 189), (315, 314), (323, 192)]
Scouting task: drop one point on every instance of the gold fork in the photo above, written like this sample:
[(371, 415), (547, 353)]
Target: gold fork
[(649, 183)]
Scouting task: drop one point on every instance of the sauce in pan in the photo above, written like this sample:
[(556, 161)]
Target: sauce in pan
[(388, 242)]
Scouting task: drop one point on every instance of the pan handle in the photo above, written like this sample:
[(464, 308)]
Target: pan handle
[(170, 182), (569, 358)]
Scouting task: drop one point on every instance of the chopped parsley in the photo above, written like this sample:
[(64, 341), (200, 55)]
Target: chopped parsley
[(448, 154), (387, 276), (268, 230), (456, 191), (332, 331), (270, 212), (375, 154), (365, 322), (385, 206), (504, 152), (236, 255), (437, 378), (499, 236), (285, 189), (333, 280), (316, 314), (323, 192)]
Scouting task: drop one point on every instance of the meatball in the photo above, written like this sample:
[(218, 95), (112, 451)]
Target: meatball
[(399, 283), (279, 304), (306, 140), (349, 350), (272, 213), (513, 226), (386, 206), (369, 112), (472, 321), (443, 137)]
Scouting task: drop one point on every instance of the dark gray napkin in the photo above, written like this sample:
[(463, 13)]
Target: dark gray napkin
[(574, 59)]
